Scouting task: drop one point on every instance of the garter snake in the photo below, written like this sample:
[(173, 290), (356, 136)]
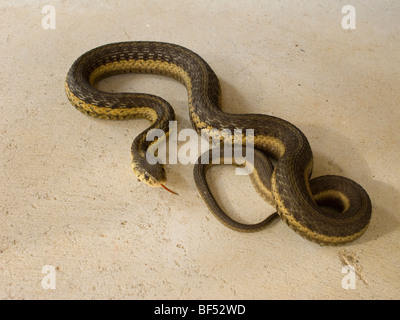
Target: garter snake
[(297, 199)]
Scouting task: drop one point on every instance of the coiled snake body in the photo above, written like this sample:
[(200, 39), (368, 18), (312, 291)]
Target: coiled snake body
[(287, 185)]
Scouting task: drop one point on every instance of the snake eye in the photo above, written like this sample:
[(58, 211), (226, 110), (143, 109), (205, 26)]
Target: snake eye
[(146, 176)]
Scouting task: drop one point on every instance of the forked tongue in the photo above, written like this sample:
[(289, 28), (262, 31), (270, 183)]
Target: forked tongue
[(168, 189)]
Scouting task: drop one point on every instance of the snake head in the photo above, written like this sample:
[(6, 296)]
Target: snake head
[(151, 174)]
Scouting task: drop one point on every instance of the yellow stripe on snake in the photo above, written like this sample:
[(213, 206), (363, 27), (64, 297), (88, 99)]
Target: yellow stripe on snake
[(298, 199)]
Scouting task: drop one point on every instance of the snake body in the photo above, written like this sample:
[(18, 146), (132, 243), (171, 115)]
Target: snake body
[(297, 199)]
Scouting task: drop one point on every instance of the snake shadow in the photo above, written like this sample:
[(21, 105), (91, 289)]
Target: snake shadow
[(382, 195)]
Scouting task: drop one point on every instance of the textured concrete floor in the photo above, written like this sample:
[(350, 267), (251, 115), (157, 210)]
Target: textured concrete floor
[(69, 200)]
